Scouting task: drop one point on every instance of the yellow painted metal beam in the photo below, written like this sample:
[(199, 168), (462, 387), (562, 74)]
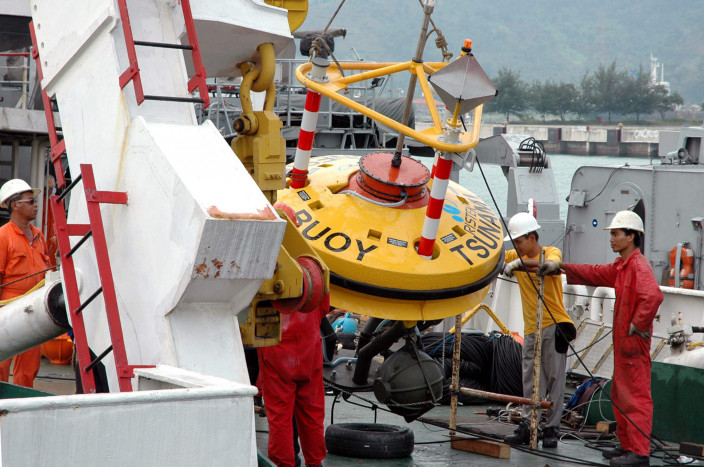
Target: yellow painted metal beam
[(483, 306), (431, 136)]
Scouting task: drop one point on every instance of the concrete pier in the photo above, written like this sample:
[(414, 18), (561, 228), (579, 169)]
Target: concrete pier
[(587, 140)]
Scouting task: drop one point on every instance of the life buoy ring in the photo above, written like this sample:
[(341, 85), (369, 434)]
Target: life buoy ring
[(686, 270)]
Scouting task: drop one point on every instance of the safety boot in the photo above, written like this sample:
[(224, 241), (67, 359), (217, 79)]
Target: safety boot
[(550, 437), (631, 459), (613, 452), (520, 436)]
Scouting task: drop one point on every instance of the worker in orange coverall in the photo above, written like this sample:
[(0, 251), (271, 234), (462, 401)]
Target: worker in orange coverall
[(22, 253), (291, 377), (638, 298)]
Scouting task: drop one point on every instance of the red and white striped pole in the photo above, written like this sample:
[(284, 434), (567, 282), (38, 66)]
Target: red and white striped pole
[(441, 179), (435, 164), (299, 174)]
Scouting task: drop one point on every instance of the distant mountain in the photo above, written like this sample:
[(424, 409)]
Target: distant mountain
[(542, 39)]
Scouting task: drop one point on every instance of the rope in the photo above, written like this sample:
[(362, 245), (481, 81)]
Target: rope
[(315, 46), (27, 277), (376, 407), (440, 41), (526, 449), (333, 16), (564, 293), (38, 286), (487, 363)]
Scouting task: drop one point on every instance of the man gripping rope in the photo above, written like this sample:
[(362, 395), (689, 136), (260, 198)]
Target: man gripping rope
[(638, 298), (523, 228)]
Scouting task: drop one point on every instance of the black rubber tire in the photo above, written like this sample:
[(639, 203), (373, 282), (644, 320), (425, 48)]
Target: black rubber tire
[(369, 440)]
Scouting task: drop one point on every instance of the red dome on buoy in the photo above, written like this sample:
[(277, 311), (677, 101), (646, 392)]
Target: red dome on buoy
[(377, 179)]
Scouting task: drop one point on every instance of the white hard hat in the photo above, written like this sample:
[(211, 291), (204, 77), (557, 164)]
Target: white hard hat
[(14, 187), (626, 220), (521, 224)]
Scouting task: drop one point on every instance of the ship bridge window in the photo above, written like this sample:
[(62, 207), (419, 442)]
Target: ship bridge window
[(14, 154), (6, 152)]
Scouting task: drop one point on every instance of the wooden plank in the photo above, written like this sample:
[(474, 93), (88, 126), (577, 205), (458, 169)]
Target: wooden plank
[(692, 449), (606, 427), (481, 446)]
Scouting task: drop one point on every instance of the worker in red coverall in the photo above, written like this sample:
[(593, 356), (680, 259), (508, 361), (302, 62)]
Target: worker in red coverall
[(23, 260), (291, 377), (638, 298)]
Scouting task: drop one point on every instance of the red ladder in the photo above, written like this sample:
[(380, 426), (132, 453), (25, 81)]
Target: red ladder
[(94, 229), (58, 147), (132, 72)]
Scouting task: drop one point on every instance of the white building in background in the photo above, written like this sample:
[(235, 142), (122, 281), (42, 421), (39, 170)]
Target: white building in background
[(656, 65)]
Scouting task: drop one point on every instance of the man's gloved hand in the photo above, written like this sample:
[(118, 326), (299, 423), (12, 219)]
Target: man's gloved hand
[(510, 267), (634, 330), (548, 268)]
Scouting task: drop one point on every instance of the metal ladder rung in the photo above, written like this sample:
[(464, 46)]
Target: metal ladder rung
[(163, 45), (90, 299), (80, 242), (99, 358), (133, 73), (196, 100), (70, 187)]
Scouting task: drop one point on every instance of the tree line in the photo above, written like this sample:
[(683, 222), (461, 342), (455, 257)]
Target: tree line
[(605, 91)]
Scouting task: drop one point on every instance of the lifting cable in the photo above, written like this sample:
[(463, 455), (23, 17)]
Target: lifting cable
[(318, 41), (653, 439), (440, 41)]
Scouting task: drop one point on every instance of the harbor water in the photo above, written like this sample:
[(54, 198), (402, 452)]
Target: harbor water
[(564, 166)]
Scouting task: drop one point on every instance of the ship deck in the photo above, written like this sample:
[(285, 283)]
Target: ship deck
[(432, 441)]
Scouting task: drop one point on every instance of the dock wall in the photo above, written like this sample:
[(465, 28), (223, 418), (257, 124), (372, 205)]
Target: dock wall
[(586, 140)]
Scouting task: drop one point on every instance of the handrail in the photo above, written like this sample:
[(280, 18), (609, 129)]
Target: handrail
[(22, 103), (222, 113), (430, 136)]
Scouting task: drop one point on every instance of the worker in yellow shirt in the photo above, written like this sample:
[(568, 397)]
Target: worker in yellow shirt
[(558, 328)]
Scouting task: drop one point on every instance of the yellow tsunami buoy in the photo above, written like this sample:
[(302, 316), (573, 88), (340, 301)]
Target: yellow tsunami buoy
[(364, 218)]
